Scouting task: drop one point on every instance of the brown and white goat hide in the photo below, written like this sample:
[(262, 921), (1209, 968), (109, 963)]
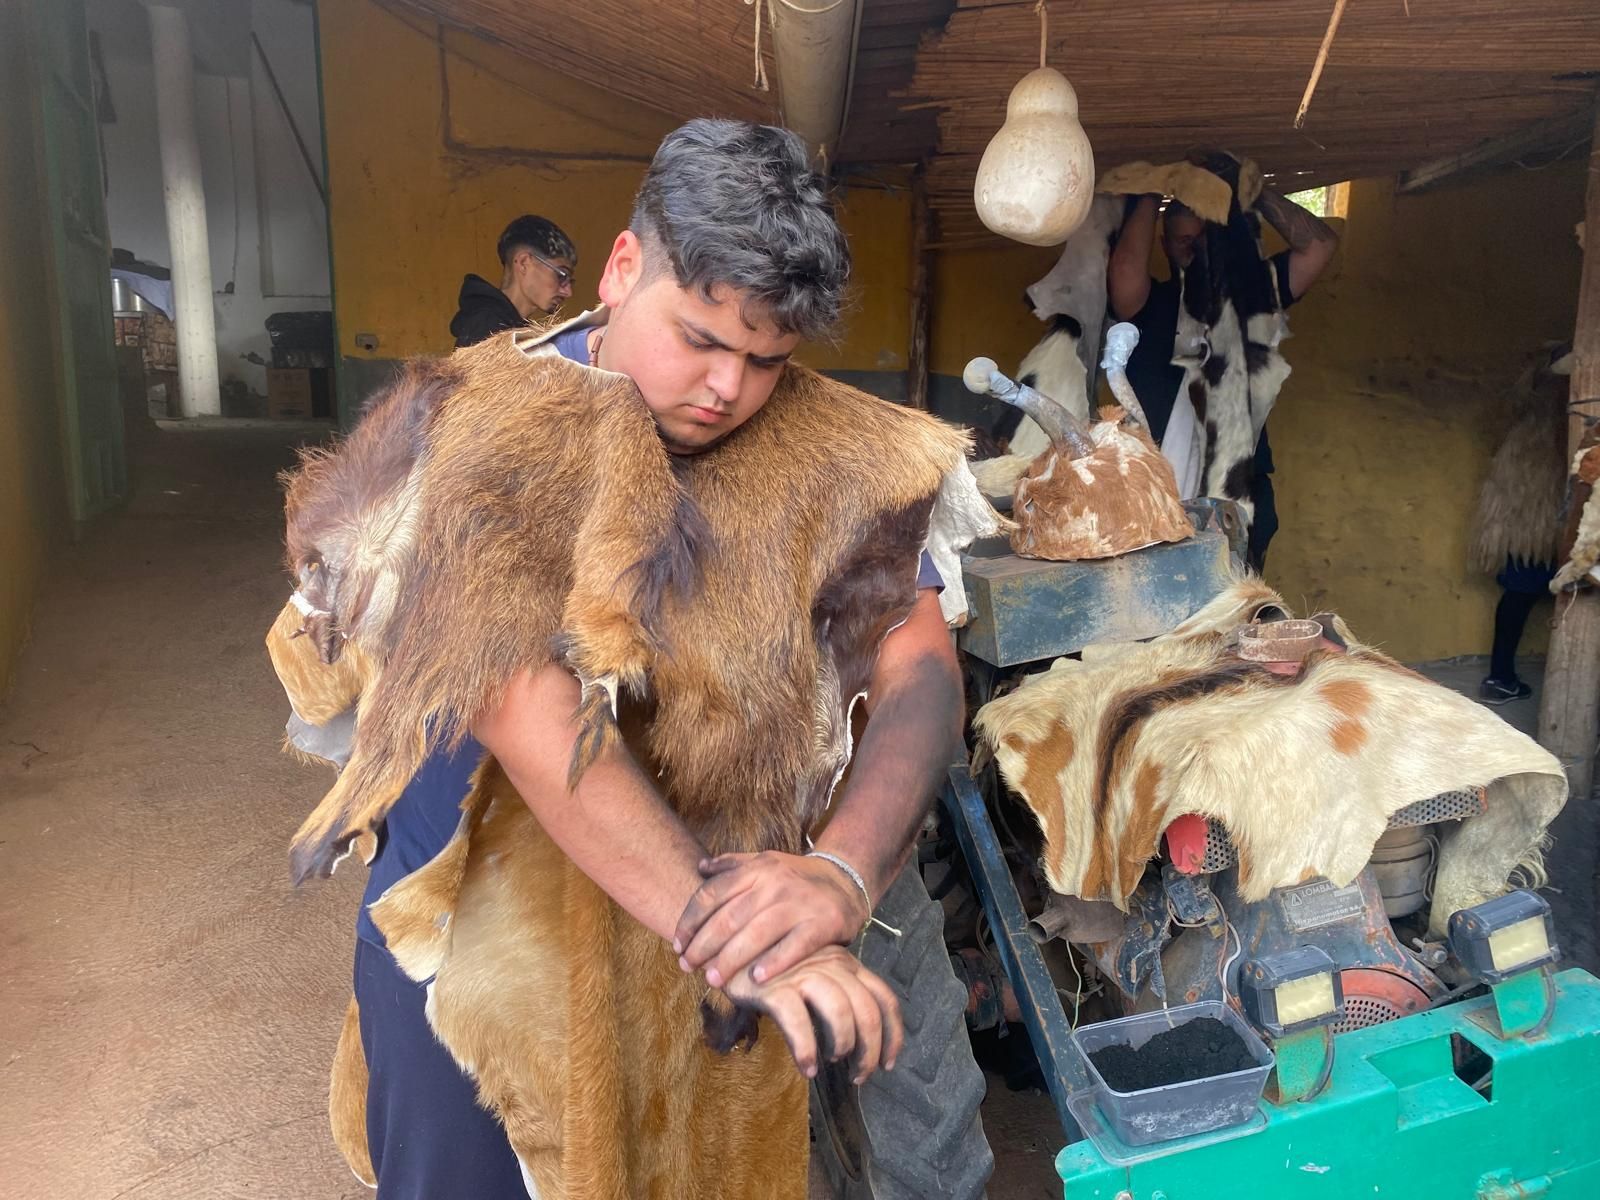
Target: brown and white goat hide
[(1230, 323), (498, 512), (1118, 498), (1304, 771)]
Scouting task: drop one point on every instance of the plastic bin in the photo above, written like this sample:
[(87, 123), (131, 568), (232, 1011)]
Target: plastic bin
[(1178, 1109)]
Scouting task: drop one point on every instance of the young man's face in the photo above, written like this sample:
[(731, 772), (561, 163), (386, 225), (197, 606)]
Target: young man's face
[(702, 370), (1180, 230), (539, 286)]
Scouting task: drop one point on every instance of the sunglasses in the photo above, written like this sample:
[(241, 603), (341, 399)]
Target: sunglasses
[(563, 274)]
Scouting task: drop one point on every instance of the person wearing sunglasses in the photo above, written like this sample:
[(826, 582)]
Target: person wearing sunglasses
[(537, 260)]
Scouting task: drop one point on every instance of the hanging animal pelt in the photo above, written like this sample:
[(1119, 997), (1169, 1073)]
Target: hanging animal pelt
[(1519, 506), (498, 512), (1303, 771), (1230, 323)]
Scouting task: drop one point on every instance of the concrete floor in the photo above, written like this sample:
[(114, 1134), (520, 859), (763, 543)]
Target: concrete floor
[(170, 1003)]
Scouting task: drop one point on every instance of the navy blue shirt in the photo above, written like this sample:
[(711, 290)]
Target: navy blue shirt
[(1151, 371), (425, 817)]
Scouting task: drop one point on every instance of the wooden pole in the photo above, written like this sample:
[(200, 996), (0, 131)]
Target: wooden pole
[(1569, 710), (921, 285)]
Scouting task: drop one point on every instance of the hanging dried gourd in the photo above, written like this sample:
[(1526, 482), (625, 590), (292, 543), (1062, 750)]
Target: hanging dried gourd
[(1036, 180)]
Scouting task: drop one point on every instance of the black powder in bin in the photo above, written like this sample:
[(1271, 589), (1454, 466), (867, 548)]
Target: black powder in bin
[(1193, 1050)]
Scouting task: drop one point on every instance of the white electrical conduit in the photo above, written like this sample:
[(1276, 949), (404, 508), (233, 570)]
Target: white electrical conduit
[(814, 45)]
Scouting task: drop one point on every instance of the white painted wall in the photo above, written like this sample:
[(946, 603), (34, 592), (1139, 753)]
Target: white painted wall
[(268, 230)]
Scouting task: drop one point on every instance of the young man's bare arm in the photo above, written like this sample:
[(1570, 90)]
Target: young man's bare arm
[(1128, 272), (615, 826), (1311, 241), (757, 910)]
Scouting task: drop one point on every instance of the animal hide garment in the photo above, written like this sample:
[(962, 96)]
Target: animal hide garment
[(1230, 323), (1519, 505), (1303, 771), (497, 512)]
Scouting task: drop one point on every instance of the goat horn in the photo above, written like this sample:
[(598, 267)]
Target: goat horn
[(1065, 431), (1121, 338)]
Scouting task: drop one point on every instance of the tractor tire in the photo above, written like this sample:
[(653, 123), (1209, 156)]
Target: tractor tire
[(913, 1133)]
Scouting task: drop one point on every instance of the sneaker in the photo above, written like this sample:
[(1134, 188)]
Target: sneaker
[(1503, 691)]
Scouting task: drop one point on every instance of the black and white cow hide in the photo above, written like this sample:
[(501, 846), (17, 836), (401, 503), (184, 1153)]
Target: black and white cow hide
[(1071, 299), (1076, 285), (1230, 323)]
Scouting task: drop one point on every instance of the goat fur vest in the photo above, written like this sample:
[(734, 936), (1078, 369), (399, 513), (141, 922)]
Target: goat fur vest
[(1304, 771), (1519, 505), (498, 511)]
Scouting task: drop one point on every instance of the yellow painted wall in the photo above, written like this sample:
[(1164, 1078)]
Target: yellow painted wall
[(1403, 357), (32, 495), (978, 307), (420, 189)]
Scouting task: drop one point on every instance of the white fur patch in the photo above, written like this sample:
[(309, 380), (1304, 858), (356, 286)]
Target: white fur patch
[(960, 515), (1076, 285)]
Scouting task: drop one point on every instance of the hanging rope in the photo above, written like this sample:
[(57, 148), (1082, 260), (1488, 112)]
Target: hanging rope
[(1044, 28), (761, 67)]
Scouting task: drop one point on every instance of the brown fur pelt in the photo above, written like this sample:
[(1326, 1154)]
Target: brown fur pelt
[(1519, 505), (1303, 771), (735, 607), (499, 512)]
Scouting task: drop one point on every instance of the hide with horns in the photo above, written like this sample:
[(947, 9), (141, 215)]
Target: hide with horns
[(505, 509)]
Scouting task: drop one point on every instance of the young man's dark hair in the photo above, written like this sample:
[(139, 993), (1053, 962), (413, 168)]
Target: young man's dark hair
[(538, 234), (536, 261), (735, 205)]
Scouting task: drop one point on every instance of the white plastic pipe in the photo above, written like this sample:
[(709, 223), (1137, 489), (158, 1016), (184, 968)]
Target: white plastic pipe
[(814, 44), (185, 198)]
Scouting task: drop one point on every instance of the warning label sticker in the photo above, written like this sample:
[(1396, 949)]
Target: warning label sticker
[(1312, 905)]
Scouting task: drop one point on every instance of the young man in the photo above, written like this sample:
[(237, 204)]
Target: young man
[(537, 261), (1152, 305), (707, 294)]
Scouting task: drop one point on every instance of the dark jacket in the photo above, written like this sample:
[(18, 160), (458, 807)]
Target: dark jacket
[(484, 311)]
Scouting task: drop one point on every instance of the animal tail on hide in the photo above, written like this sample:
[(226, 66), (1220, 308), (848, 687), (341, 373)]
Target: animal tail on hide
[(347, 1098)]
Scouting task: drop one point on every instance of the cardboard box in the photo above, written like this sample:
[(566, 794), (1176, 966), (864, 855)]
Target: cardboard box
[(289, 393)]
